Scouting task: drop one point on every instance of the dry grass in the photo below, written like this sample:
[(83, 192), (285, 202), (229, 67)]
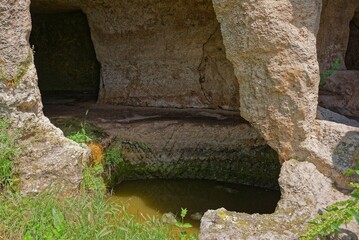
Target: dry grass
[(97, 153)]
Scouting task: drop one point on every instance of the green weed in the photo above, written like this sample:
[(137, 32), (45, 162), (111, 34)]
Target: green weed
[(327, 74), (183, 226), (81, 136), (82, 217), (92, 179), (71, 125), (87, 215), (8, 153), (113, 156), (336, 215)]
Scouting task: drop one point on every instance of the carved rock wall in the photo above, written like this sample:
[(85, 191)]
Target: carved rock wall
[(341, 93), (65, 58), (333, 35), (158, 53), (338, 39), (47, 158), (352, 54), (272, 47)]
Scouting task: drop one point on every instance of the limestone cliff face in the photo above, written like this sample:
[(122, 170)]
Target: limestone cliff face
[(272, 46), (338, 39), (334, 32), (161, 53), (157, 53), (171, 54), (47, 158)]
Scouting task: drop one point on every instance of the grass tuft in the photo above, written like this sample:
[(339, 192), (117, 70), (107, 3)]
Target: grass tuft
[(8, 153), (85, 216)]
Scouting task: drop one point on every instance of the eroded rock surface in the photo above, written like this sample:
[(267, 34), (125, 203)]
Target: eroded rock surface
[(352, 54), (327, 115), (305, 191), (272, 47), (180, 39), (340, 93), (333, 35), (47, 159), (273, 51), (176, 143), (190, 149), (158, 53)]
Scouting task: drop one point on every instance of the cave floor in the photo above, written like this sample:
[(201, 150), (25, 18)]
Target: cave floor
[(162, 128), (105, 113), (159, 127)]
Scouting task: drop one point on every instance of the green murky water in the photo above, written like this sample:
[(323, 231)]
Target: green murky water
[(156, 197)]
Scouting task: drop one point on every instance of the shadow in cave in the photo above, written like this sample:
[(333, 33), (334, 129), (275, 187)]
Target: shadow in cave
[(352, 54), (65, 58), (339, 92)]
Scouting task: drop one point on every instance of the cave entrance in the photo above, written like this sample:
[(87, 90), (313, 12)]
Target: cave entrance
[(65, 59), (352, 54), (168, 97)]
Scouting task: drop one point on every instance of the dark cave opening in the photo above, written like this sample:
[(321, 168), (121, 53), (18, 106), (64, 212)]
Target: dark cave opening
[(65, 58), (352, 54)]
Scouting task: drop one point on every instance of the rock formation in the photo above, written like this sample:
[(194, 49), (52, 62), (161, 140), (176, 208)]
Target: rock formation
[(334, 32), (47, 158), (159, 54), (305, 191), (171, 54), (338, 39), (340, 93)]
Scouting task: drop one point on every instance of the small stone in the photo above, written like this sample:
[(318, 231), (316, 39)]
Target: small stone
[(169, 218)]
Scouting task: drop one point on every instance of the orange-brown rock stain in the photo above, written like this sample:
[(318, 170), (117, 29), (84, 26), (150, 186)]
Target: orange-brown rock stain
[(97, 153)]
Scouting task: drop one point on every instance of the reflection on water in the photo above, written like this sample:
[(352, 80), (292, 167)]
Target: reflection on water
[(156, 197)]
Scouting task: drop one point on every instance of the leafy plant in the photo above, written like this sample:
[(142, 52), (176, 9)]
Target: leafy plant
[(113, 156), (81, 136), (8, 153), (327, 74), (183, 226), (72, 125), (92, 179), (337, 214)]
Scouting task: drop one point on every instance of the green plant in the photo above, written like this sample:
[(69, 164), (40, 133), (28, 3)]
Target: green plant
[(8, 153), (327, 74), (337, 214), (113, 160), (22, 68), (183, 226), (72, 125), (113, 156), (92, 179), (81, 136), (81, 217)]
